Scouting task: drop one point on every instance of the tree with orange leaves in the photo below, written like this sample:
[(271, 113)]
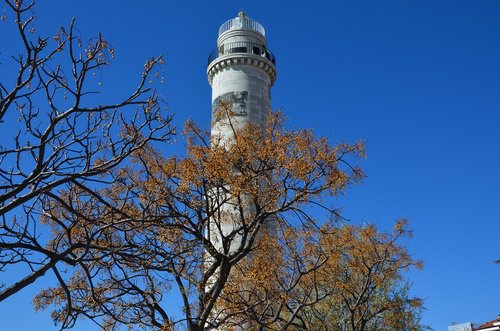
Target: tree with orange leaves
[(159, 209), (128, 225), (364, 279), (335, 277)]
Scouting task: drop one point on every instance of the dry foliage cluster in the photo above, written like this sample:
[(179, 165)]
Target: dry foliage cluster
[(85, 194)]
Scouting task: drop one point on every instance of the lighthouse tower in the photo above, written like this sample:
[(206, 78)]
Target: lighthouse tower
[(241, 71)]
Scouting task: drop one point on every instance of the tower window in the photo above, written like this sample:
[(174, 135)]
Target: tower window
[(238, 50), (256, 50)]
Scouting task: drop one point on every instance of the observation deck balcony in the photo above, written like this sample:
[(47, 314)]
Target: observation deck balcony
[(242, 47), (242, 22)]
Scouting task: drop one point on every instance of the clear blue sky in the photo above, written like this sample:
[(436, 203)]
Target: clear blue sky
[(419, 80)]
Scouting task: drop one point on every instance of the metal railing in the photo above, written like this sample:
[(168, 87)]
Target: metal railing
[(241, 47), (244, 23)]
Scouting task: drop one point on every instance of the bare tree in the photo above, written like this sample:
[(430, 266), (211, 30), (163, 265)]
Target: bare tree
[(58, 132)]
